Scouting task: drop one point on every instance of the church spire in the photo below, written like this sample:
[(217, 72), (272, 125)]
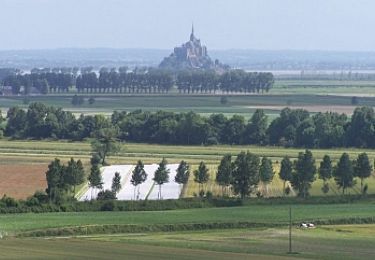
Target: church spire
[(192, 37)]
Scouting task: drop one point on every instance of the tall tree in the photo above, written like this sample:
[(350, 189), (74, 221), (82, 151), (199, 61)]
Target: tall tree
[(74, 174), (266, 172), (344, 173), (139, 176), (105, 143), (95, 178), (201, 175), (325, 172), (116, 183), (54, 176), (255, 132), (362, 168), (246, 174), (304, 173), (161, 175), (286, 171), (183, 173), (224, 172)]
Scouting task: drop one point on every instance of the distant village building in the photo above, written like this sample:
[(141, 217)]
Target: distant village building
[(191, 55)]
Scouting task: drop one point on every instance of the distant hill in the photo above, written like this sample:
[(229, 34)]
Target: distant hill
[(246, 59)]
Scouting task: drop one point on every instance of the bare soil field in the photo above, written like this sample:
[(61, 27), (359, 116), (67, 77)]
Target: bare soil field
[(21, 181)]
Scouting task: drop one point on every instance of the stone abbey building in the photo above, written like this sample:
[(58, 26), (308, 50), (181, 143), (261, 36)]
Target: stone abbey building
[(190, 55)]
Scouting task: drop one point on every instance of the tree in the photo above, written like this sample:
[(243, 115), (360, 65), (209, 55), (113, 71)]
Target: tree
[(286, 171), (224, 172), (266, 172), (139, 176), (325, 172), (116, 183), (53, 176), (304, 173), (105, 143), (161, 175), (245, 174), (95, 178), (201, 175), (74, 174), (344, 173), (255, 132), (183, 173), (362, 168)]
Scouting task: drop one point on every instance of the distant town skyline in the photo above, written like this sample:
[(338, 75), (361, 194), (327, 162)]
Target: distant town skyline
[(162, 24)]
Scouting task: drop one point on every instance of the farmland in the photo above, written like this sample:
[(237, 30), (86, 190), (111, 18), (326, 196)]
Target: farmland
[(28, 153), (313, 95)]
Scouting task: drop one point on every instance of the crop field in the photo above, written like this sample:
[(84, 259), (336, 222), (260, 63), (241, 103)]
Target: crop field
[(21, 181), (268, 215), (29, 153)]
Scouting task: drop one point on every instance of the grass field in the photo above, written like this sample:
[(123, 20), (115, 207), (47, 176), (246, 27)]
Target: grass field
[(326, 242), (262, 214)]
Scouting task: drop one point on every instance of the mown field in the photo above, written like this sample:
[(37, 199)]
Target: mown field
[(40, 153), (268, 215)]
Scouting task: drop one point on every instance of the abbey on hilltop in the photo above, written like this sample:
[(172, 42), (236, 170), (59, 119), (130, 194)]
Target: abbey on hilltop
[(191, 55)]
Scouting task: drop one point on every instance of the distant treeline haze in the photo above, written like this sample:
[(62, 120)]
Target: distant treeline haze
[(293, 128)]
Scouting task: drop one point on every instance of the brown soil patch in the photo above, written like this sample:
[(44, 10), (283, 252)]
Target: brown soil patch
[(21, 181)]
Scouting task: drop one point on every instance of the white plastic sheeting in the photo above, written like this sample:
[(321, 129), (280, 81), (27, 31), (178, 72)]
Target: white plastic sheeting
[(148, 189)]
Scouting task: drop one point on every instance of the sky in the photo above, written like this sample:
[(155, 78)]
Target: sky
[(162, 24)]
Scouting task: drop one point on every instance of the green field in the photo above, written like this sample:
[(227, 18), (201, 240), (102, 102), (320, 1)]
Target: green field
[(261, 214), (326, 242)]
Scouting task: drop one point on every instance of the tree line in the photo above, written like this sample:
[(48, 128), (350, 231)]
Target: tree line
[(245, 175), (145, 81), (293, 128)]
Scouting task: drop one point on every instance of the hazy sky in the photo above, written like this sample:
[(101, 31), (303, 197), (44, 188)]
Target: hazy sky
[(163, 24)]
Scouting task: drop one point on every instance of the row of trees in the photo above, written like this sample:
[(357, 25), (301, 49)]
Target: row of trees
[(247, 172), (147, 81), (293, 128)]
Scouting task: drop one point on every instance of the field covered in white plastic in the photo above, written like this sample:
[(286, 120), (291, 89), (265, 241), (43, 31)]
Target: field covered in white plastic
[(147, 190)]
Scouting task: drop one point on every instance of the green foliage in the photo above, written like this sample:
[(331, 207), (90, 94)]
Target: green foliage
[(139, 176), (256, 130), (266, 172), (95, 178), (362, 168), (225, 171), (161, 175), (183, 173), (116, 183), (286, 171), (304, 173), (201, 175), (344, 173), (245, 174), (325, 169), (106, 195), (105, 143), (74, 174)]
